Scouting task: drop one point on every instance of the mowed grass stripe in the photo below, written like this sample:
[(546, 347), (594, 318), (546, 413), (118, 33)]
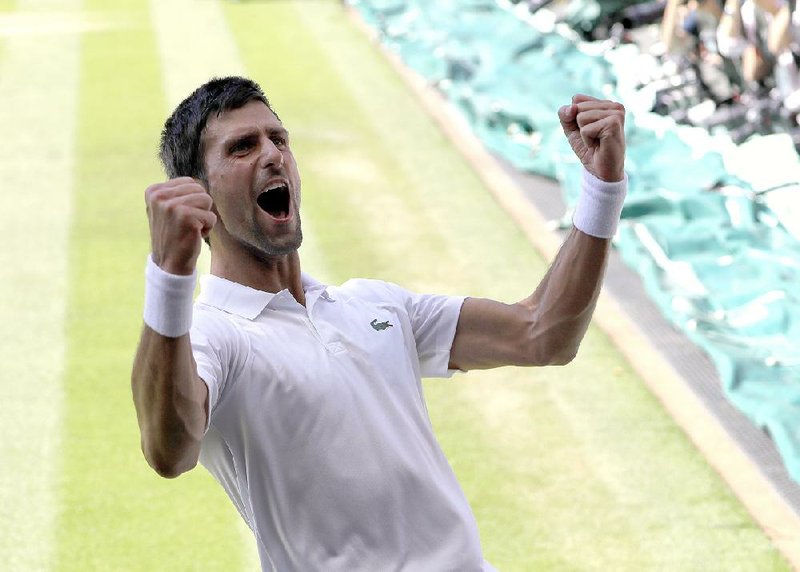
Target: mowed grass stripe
[(7, 12), (116, 513), (573, 468), (38, 100), (194, 45)]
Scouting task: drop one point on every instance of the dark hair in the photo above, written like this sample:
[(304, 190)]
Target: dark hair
[(181, 150)]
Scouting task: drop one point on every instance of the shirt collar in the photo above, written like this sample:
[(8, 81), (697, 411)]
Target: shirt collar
[(247, 302)]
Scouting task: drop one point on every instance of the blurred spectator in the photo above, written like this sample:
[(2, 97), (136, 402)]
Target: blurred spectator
[(729, 63), (785, 43), (689, 35), (763, 34), (688, 24), (750, 32)]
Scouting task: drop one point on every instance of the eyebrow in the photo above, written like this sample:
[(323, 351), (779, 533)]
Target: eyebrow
[(279, 131), (250, 133), (239, 138)]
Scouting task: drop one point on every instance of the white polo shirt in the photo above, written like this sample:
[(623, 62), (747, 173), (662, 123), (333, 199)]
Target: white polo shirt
[(318, 429)]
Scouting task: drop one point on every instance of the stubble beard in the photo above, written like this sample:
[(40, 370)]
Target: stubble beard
[(266, 247)]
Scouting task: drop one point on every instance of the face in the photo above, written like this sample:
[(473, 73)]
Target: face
[(252, 177)]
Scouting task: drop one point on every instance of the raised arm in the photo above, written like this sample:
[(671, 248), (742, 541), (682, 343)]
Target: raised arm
[(779, 35), (547, 327), (729, 29), (171, 400)]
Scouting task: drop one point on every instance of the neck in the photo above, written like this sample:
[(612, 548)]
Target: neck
[(270, 274)]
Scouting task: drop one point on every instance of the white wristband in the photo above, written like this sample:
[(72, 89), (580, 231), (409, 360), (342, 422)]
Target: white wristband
[(168, 300), (599, 205)]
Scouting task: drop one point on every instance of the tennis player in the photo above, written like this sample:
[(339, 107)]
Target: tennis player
[(304, 399)]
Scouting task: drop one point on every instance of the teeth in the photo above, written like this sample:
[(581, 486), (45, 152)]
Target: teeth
[(276, 186)]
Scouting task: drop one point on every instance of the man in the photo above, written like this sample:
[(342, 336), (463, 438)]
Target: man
[(754, 32), (305, 400)]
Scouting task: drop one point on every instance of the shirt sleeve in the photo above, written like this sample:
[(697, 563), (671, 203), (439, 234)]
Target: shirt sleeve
[(216, 353), (434, 319)]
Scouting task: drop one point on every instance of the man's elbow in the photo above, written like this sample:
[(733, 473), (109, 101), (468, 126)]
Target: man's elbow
[(169, 466), (556, 354), (563, 357), (169, 470), (555, 346)]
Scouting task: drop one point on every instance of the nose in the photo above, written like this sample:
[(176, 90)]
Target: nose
[(271, 156)]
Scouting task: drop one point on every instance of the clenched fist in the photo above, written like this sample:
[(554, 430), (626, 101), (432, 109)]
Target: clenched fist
[(595, 130), (180, 216)]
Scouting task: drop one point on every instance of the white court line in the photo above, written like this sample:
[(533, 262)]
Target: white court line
[(38, 112)]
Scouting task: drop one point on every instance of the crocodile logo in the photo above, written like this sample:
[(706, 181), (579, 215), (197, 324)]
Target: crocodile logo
[(379, 326)]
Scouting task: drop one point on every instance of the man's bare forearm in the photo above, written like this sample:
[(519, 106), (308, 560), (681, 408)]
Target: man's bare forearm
[(780, 31), (730, 24), (547, 327), (170, 399), (170, 402), (669, 24), (564, 301)]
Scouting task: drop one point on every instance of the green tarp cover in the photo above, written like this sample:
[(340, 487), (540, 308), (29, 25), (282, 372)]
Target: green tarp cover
[(713, 228)]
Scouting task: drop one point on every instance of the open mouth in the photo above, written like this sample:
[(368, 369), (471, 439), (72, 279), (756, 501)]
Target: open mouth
[(275, 202)]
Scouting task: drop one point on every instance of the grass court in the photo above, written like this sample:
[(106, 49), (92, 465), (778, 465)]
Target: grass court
[(567, 469)]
